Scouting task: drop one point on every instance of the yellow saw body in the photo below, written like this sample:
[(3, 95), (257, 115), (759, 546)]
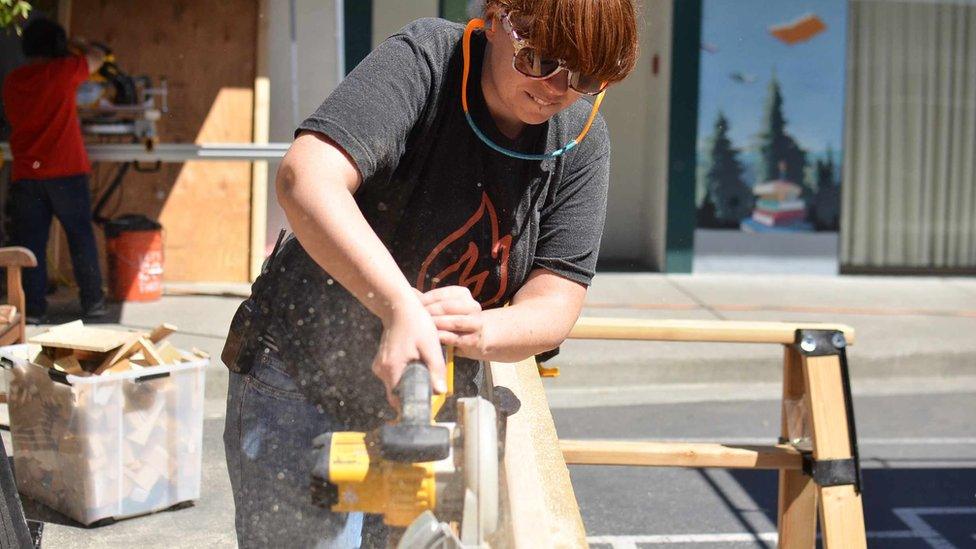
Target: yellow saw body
[(454, 485)]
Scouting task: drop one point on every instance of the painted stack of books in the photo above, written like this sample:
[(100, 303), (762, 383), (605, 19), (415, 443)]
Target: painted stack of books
[(779, 208)]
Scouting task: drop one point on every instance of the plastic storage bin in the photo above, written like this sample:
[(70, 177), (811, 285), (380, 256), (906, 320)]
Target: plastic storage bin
[(108, 446)]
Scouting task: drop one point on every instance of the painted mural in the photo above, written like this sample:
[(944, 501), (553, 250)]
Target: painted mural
[(771, 115)]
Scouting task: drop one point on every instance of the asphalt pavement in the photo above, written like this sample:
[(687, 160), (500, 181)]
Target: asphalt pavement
[(913, 374)]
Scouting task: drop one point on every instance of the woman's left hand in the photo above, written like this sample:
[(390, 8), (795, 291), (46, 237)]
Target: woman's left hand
[(458, 319)]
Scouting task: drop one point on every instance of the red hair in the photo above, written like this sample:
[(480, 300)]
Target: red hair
[(596, 37)]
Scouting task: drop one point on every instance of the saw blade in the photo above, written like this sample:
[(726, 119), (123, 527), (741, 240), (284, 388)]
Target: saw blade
[(480, 439)]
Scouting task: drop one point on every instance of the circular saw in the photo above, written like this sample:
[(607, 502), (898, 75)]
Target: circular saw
[(435, 483)]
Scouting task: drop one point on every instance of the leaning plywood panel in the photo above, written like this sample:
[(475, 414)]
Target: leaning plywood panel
[(538, 507), (206, 52)]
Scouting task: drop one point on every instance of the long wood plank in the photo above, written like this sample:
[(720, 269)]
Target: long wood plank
[(679, 454), (538, 507), (725, 331)]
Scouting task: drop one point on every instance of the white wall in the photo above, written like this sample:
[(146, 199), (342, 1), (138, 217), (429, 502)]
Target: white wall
[(317, 73), (318, 69), (636, 111)]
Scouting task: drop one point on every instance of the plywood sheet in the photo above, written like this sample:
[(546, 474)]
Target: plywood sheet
[(206, 51)]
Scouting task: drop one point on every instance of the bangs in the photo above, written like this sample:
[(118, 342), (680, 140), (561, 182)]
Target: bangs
[(596, 37)]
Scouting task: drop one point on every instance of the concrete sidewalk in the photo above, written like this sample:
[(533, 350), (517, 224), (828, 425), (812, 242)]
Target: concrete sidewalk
[(907, 329), (904, 326)]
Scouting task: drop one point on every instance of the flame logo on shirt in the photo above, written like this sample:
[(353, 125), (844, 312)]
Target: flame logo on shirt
[(466, 264)]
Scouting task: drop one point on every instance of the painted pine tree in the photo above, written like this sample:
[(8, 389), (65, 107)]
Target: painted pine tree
[(777, 148), (826, 201), (728, 200)]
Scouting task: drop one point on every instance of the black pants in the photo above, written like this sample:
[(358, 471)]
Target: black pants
[(34, 203)]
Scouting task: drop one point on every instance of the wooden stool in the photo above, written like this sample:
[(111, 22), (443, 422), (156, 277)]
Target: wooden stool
[(822, 473)]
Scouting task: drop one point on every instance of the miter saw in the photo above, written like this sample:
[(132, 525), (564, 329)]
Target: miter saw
[(113, 103), (116, 107), (435, 483)]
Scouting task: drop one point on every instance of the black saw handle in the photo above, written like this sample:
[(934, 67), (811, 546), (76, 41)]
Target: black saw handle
[(413, 438)]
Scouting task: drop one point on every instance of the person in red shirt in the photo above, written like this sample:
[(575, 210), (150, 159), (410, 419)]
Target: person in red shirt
[(50, 164)]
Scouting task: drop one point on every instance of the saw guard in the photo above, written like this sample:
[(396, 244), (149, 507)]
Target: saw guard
[(480, 469)]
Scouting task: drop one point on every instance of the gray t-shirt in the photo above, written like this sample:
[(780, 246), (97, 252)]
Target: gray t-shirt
[(450, 210)]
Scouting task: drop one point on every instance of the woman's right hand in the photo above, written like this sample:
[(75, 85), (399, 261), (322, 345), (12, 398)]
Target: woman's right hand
[(409, 335)]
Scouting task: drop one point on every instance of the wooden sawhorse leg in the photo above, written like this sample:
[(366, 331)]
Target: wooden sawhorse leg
[(834, 471), (797, 513)]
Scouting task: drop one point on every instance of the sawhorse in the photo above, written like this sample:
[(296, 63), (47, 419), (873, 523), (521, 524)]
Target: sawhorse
[(817, 451)]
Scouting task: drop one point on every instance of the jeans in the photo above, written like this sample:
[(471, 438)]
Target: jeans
[(35, 202), (268, 442)]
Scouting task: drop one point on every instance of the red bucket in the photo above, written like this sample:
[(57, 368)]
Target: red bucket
[(135, 258)]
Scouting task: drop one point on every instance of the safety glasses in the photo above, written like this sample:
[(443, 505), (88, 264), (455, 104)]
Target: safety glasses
[(476, 24), (531, 63)]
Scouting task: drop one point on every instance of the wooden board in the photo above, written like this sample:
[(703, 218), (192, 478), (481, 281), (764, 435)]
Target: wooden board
[(161, 332), (729, 331), (149, 352), (129, 348), (679, 454), (206, 51), (168, 353), (538, 507), (81, 337)]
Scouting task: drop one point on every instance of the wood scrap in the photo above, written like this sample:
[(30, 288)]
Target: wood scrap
[(121, 366), (132, 349), (43, 359), (75, 335), (149, 352), (70, 365), (169, 353), (127, 349), (107, 447), (161, 332)]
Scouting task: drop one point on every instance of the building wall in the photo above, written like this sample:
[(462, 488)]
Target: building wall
[(390, 16), (317, 71), (636, 111)]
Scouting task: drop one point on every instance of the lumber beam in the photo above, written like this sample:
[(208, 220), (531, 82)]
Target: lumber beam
[(538, 507), (679, 454), (721, 331)]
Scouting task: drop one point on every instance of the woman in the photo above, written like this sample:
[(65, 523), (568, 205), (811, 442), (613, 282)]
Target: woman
[(452, 172)]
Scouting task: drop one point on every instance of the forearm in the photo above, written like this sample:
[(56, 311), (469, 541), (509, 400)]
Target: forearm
[(94, 55), (526, 328), (327, 221)]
